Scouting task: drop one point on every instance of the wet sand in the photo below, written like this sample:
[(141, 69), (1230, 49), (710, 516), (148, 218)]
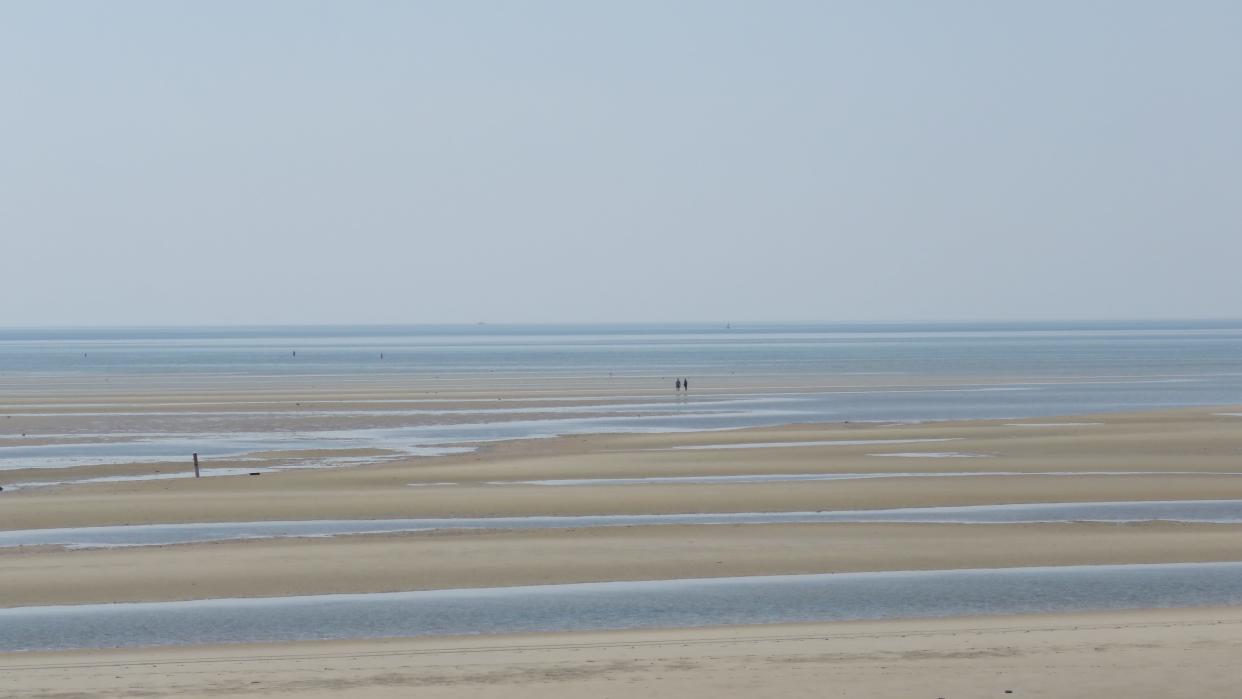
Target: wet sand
[(390, 563), (1191, 441), (1196, 442), (1140, 654)]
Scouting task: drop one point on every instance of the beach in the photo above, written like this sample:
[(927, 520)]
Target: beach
[(553, 350), (1141, 653), (518, 483)]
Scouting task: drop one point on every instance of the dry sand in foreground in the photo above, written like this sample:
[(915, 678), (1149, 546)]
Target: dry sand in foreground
[(1132, 654)]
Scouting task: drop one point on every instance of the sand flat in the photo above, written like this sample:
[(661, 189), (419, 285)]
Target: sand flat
[(1139, 654), (1194, 442), (1188, 440), (388, 563), (219, 500)]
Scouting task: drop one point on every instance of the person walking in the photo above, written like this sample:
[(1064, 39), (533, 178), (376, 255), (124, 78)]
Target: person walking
[(678, 384), (685, 383)]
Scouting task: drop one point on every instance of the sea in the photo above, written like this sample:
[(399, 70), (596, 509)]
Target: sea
[(1150, 349)]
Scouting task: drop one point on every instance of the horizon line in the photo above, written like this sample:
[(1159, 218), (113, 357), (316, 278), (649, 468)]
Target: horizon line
[(605, 323)]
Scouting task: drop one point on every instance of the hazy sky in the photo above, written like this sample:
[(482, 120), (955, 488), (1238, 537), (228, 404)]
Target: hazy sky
[(366, 162)]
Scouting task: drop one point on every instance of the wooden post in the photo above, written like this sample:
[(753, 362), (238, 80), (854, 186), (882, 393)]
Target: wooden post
[(196, 465)]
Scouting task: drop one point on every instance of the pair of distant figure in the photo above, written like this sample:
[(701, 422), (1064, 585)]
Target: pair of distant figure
[(683, 383)]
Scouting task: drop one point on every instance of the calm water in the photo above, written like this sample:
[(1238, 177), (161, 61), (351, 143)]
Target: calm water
[(621, 605), (965, 349)]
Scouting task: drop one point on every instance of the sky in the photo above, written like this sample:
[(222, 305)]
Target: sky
[(288, 162)]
